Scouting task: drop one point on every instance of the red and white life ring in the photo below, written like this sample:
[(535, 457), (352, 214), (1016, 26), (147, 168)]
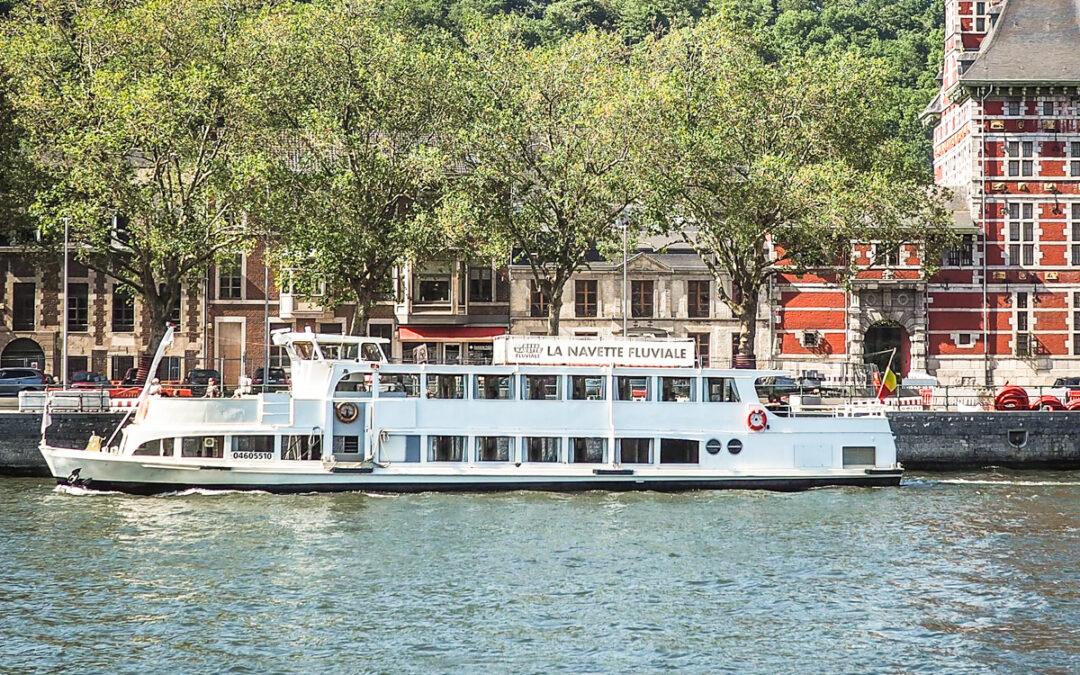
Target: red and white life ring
[(757, 420)]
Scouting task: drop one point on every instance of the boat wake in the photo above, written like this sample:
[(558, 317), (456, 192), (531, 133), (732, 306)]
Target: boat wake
[(206, 492), (79, 491)]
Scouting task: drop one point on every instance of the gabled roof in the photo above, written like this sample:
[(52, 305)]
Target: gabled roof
[(1032, 42)]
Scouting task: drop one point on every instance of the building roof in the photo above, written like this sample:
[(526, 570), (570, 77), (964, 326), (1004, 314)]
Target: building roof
[(1032, 42)]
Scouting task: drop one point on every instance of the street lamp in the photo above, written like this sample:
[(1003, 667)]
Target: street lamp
[(624, 223)]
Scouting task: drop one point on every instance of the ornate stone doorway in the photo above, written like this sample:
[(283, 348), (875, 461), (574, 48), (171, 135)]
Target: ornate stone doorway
[(880, 341)]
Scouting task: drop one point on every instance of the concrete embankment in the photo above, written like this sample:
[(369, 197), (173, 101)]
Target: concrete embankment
[(925, 440)]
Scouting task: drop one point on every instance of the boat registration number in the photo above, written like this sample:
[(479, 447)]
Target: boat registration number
[(252, 455)]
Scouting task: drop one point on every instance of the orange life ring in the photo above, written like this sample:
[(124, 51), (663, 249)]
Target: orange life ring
[(347, 412), (757, 420)]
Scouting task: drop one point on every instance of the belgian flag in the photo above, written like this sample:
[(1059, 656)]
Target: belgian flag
[(888, 384)]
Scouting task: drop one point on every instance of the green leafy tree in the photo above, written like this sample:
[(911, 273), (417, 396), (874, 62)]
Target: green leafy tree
[(133, 117), (549, 151), (357, 111), (769, 167)]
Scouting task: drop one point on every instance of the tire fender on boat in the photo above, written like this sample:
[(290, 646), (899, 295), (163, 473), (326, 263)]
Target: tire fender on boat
[(346, 412), (757, 420)]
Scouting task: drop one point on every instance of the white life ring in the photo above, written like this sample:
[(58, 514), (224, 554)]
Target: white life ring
[(347, 412), (757, 420)]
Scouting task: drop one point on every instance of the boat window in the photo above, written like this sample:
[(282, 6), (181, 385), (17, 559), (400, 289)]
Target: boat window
[(399, 385), (262, 444), (371, 352), (446, 448), (540, 387), (340, 352), (162, 447), (676, 389), (493, 386), (355, 382), (635, 450), (346, 444), (203, 446), (304, 350), (678, 451), (494, 448), (446, 386), (588, 387), (632, 387), (721, 390), (542, 449), (587, 450), (856, 455), (301, 448)]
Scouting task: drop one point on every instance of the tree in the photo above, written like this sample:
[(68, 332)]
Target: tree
[(359, 109), (770, 167), (549, 150), (133, 117)]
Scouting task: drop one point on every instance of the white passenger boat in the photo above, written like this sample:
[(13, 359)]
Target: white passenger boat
[(554, 415)]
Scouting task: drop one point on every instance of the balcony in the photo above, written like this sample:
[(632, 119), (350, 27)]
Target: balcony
[(298, 307)]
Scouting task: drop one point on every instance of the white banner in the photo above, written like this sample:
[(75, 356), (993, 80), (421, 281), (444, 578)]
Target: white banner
[(556, 351)]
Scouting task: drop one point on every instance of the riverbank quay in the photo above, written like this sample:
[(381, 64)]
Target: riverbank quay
[(925, 440)]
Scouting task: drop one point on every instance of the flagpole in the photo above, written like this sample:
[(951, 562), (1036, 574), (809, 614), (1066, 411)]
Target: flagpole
[(887, 368)]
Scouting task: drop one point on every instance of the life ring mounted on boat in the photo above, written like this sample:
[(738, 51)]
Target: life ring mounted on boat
[(757, 420), (347, 412)]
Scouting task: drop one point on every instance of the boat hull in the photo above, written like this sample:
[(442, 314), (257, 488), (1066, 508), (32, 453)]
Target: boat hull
[(148, 476)]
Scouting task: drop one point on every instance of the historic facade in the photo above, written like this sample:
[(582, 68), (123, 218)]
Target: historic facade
[(1006, 304)]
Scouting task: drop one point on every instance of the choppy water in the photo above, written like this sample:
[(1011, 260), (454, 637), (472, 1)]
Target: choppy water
[(971, 573)]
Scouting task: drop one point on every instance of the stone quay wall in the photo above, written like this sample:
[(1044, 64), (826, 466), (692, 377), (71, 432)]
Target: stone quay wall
[(925, 440)]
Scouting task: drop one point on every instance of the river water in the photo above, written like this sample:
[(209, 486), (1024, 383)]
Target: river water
[(948, 573)]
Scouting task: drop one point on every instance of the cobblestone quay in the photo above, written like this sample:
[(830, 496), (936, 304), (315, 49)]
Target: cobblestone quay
[(925, 440)]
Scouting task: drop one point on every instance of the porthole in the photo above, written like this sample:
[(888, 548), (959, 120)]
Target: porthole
[(713, 446), (734, 446)]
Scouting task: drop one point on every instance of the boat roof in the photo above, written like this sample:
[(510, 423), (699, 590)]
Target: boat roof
[(285, 336)]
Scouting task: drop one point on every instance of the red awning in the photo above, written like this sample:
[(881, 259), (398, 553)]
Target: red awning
[(449, 333)]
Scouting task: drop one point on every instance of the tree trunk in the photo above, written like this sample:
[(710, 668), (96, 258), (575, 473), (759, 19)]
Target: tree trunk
[(358, 325), (746, 354), (554, 309)]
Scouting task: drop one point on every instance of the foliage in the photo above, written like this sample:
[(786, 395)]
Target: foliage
[(134, 118), (777, 166), (549, 150), (355, 113)]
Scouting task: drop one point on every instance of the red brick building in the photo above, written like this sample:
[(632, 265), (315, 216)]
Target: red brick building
[(1006, 303)]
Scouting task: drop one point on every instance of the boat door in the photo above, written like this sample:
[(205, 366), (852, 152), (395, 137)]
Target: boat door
[(350, 420)]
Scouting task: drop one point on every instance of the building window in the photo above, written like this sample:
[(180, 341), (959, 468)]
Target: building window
[(1074, 159), (123, 311), (1012, 108), (76, 364), (446, 448), (1021, 230), (24, 306), (1021, 158), (1022, 323), (585, 297), (538, 303), (587, 450), (432, 288), (1074, 230), (697, 298), (641, 298), (962, 255), (384, 330), (279, 358), (231, 279), (632, 388), (169, 369), (481, 284), (78, 306), (701, 349), (678, 451), (120, 366), (542, 449), (1048, 109), (1076, 323), (635, 450)]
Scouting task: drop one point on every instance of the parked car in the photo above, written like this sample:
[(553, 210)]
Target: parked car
[(278, 379), (131, 378), (85, 379), (197, 379), (14, 380), (778, 385)]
